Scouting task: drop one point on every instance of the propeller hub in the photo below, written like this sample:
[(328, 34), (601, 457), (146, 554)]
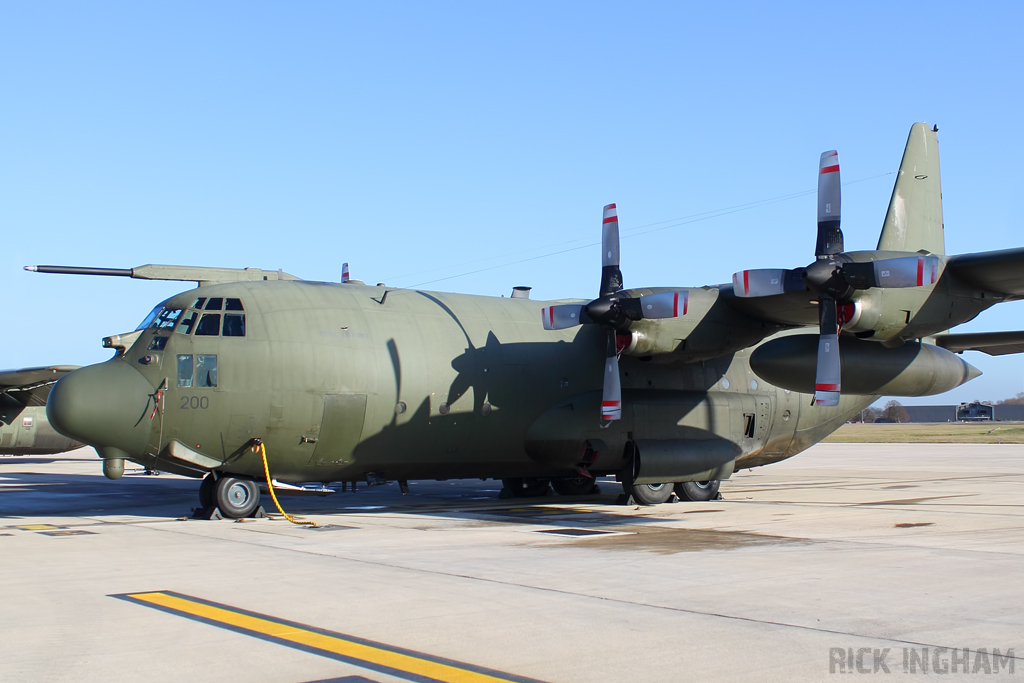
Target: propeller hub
[(825, 277)]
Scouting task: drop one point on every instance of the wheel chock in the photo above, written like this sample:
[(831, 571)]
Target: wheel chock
[(625, 499), (212, 512)]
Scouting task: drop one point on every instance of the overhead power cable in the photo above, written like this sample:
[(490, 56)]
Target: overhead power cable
[(626, 234)]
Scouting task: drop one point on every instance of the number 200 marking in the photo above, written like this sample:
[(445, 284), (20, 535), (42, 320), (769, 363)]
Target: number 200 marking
[(195, 402)]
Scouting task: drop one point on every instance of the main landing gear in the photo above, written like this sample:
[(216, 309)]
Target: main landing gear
[(229, 496), (653, 494)]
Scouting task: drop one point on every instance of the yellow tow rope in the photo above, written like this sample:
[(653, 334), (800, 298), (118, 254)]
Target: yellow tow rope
[(270, 486)]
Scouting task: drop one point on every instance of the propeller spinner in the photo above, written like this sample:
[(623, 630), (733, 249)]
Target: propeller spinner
[(614, 310), (834, 278)]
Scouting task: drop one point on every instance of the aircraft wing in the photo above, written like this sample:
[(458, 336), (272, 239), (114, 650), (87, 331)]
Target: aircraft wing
[(992, 343), (994, 271), (31, 386)]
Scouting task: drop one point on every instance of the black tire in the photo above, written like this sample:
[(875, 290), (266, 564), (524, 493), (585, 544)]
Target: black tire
[(206, 491), (526, 487), (698, 490), (573, 486), (648, 494), (236, 497)]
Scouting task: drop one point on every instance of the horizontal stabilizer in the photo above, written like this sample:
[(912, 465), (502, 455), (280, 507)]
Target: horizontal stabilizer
[(992, 343), (1001, 272)]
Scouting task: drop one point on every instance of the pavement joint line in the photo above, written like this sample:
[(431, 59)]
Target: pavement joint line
[(559, 591), (368, 654)]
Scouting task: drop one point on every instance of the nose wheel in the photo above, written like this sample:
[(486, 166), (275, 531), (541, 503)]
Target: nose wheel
[(230, 496)]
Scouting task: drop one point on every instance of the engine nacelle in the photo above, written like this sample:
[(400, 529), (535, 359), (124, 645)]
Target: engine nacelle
[(914, 369)]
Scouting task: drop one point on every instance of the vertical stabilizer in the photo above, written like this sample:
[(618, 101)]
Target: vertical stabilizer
[(914, 220)]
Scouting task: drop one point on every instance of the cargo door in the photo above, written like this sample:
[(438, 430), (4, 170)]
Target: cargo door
[(340, 429)]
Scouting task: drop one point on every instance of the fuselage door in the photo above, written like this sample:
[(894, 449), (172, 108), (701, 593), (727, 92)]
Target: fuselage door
[(340, 430)]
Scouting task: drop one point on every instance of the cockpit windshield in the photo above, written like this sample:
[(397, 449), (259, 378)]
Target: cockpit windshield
[(166, 319), (149, 318)]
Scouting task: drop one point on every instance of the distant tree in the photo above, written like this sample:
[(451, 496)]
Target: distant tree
[(1015, 401), (895, 412), (870, 414)]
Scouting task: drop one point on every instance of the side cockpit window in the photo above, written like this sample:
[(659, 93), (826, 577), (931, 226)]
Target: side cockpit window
[(202, 320)]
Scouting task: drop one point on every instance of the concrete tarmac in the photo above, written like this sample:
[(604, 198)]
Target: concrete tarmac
[(822, 562)]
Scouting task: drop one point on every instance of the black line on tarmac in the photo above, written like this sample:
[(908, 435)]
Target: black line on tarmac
[(361, 663)]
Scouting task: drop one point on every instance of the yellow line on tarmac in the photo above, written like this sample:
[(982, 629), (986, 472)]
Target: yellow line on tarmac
[(336, 644)]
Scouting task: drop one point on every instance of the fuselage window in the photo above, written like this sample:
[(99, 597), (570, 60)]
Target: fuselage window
[(188, 322), (234, 325), (206, 370), (209, 325), (167, 319), (233, 305), (213, 304), (185, 370)]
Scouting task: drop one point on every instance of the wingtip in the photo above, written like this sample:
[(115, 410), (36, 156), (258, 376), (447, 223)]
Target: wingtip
[(31, 269)]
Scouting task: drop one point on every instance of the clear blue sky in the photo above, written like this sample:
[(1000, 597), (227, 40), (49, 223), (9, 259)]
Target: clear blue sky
[(449, 138)]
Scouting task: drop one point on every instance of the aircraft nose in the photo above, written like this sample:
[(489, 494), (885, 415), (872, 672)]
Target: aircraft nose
[(104, 405)]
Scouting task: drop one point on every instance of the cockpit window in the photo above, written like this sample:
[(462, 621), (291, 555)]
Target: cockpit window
[(149, 318), (186, 324), (233, 305), (209, 325), (158, 343), (167, 319), (234, 325), (199, 302), (213, 304)]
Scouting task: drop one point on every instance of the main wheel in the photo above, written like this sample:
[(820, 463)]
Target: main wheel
[(526, 487), (236, 497), (698, 490), (573, 486), (648, 494), (206, 491)]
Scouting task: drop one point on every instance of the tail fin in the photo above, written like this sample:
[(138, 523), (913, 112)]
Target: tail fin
[(914, 220)]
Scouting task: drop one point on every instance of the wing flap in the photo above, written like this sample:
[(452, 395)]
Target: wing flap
[(992, 343), (31, 386)]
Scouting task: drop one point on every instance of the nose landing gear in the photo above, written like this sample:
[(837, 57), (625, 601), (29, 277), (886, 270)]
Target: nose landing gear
[(228, 496)]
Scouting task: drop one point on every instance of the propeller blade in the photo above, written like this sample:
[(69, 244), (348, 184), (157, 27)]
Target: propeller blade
[(830, 237), (664, 305), (766, 282), (827, 376), (905, 271), (611, 398), (611, 276), (562, 316)]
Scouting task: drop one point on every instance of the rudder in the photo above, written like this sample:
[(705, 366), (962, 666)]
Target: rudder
[(914, 219)]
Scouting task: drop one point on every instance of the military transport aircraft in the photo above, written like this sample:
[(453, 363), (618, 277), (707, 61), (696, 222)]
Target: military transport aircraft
[(24, 429), (670, 389)]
